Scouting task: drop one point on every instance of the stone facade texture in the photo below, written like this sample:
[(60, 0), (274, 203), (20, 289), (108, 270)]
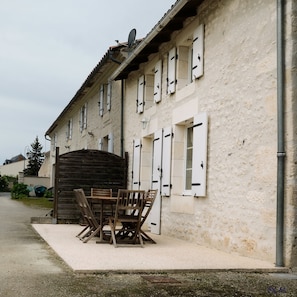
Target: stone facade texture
[(239, 93)]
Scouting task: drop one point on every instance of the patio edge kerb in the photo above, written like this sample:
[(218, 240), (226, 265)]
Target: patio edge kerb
[(173, 271)]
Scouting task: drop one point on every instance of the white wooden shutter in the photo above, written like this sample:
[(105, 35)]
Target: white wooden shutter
[(136, 164), (85, 116), (55, 140), (81, 119), (140, 94), (157, 160), (101, 100), (171, 80), (158, 81), (198, 52), (166, 162), (199, 160), (100, 144), (69, 130), (155, 214), (109, 88), (110, 143)]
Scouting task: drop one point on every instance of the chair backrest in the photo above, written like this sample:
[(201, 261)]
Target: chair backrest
[(79, 193), (149, 202), (101, 192), (130, 201), (85, 207)]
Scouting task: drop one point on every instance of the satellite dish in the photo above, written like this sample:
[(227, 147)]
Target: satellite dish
[(131, 37)]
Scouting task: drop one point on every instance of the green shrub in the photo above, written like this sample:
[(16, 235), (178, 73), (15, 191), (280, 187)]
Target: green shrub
[(48, 193), (19, 190), (4, 184)]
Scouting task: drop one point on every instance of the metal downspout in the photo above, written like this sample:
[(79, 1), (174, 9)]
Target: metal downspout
[(280, 136), (122, 105), (122, 118)]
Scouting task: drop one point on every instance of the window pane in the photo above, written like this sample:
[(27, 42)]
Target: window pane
[(190, 137), (189, 157), (189, 179)]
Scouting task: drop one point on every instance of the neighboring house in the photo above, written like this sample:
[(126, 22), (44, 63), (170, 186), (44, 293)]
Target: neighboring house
[(13, 166), (91, 120), (17, 158), (203, 122)]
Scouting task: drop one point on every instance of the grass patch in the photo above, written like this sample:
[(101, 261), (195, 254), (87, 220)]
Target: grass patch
[(36, 202)]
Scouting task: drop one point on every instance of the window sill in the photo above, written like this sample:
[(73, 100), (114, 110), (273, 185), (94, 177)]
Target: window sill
[(187, 193), (185, 91)]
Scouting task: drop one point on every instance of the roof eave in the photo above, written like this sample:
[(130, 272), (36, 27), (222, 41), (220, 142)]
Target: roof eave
[(85, 86), (172, 21)]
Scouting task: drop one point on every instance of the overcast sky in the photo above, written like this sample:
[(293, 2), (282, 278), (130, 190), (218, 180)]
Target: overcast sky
[(48, 48)]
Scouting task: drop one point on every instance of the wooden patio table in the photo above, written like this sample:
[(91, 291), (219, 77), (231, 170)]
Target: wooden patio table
[(102, 200)]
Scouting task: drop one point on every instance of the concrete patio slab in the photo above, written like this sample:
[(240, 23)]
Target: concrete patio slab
[(168, 254)]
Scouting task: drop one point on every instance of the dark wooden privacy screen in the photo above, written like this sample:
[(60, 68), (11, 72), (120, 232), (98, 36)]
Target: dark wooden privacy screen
[(85, 169)]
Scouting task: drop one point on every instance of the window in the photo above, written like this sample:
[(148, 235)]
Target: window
[(83, 118), (190, 58), (103, 144), (145, 90), (106, 143), (189, 157), (69, 130), (104, 98), (184, 65)]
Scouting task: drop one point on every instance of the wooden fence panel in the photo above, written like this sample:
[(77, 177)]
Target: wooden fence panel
[(85, 169)]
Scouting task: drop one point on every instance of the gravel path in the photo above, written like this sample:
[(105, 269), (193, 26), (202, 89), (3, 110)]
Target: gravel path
[(30, 268)]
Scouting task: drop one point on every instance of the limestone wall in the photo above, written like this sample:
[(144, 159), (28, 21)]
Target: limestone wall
[(238, 92)]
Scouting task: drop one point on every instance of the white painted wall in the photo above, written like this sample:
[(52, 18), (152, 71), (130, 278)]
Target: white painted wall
[(13, 169)]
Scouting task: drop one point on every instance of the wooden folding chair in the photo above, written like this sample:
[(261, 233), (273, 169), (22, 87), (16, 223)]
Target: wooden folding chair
[(107, 210), (101, 192), (149, 202), (125, 224), (80, 206), (93, 227)]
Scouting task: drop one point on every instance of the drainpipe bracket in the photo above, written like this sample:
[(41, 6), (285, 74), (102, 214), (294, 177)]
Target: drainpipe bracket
[(281, 154)]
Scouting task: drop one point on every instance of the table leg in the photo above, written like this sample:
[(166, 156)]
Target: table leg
[(101, 239)]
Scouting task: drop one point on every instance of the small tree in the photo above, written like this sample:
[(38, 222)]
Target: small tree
[(35, 157)]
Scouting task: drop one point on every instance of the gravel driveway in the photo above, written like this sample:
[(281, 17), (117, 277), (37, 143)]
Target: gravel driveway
[(30, 268)]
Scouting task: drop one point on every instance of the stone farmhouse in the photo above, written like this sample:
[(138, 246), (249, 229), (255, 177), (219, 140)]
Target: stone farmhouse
[(91, 120), (205, 107)]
